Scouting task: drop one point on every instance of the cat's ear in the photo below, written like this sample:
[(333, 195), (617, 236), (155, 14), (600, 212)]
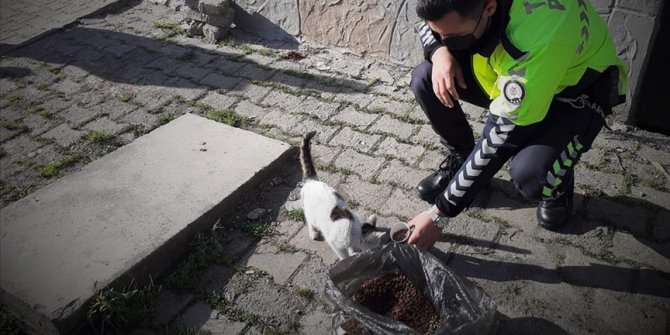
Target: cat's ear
[(367, 228), (372, 219)]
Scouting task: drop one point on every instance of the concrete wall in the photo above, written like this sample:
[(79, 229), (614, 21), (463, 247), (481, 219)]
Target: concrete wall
[(387, 29)]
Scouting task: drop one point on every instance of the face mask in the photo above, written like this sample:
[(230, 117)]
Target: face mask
[(464, 42)]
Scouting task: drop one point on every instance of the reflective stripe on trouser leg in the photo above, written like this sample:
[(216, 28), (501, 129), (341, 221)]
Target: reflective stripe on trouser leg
[(476, 163), (560, 168)]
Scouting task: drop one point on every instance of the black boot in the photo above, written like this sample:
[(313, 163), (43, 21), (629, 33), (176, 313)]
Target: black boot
[(554, 214), (432, 186)]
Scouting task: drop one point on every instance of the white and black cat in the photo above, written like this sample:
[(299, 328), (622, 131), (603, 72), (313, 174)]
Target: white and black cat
[(327, 215)]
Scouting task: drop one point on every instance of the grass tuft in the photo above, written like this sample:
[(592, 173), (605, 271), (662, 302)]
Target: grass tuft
[(117, 308), (224, 116)]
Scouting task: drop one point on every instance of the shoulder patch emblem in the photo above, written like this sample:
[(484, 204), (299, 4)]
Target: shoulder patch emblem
[(514, 91)]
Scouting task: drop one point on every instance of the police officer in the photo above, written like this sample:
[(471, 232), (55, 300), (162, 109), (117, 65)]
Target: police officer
[(548, 73)]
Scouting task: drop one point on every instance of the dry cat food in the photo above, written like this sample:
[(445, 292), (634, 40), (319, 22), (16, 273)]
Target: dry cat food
[(395, 296), (400, 235)]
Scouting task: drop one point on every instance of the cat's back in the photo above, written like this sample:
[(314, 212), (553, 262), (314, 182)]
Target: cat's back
[(318, 192)]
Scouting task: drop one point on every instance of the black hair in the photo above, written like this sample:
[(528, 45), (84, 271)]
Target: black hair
[(433, 10)]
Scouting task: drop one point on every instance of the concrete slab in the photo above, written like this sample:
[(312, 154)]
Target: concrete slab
[(130, 213)]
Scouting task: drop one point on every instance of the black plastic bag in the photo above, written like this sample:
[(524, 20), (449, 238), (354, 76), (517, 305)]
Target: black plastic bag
[(462, 307)]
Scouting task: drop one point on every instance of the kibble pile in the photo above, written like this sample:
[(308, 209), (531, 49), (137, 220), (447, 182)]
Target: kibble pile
[(395, 296)]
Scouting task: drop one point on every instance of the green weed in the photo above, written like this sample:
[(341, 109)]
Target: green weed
[(115, 308), (224, 116), (305, 293), (205, 252), (52, 169), (297, 214), (287, 247), (246, 48), (167, 117)]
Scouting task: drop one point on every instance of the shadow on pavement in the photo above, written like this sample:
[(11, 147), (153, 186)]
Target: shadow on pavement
[(131, 59), (643, 281), (526, 325)]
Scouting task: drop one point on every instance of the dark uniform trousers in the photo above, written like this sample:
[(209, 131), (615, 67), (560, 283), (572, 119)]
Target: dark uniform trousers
[(543, 154)]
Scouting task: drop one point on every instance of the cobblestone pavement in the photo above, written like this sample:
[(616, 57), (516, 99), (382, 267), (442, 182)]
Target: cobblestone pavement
[(21, 21), (80, 93)]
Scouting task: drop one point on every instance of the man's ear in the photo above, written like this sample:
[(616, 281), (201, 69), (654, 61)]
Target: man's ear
[(490, 7)]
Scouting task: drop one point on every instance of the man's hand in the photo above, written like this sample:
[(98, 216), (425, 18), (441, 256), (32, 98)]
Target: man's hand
[(425, 233), (445, 69)]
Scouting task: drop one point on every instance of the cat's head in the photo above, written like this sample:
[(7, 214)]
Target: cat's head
[(371, 236)]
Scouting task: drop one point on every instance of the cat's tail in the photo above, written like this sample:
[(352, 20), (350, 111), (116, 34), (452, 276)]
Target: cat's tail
[(308, 171)]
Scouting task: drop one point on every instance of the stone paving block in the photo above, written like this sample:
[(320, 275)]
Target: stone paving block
[(39, 124), (75, 70), (397, 173), (431, 159), (631, 218), (215, 278), (317, 322), (20, 146), (513, 212), (78, 115), (186, 90), (63, 135), (351, 116), (654, 155), (46, 154), (289, 228), (386, 105), (151, 97), (321, 249), (405, 152), (168, 305), (324, 155), (610, 184), (651, 195), (256, 72), (190, 71), (227, 66), (362, 100), (389, 125), (323, 132), (271, 301), (350, 138), (140, 117), (370, 195), (472, 236), (6, 134), (280, 265), (131, 73), (280, 119), (364, 165), (616, 315), (218, 81), (118, 50), (249, 110), (105, 125), (581, 270), (255, 93), (318, 108), (218, 101), (114, 108), (312, 274), (523, 248), (403, 204), (6, 86), (201, 316), (626, 246), (472, 112), (427, 136), (286, 79), (276, 99)]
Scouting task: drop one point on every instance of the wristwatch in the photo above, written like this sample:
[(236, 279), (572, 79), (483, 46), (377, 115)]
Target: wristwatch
[(439, 221)]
